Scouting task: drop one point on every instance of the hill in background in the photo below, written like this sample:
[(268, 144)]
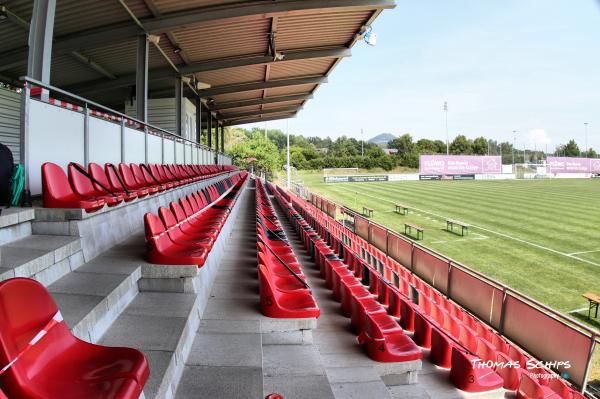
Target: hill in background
[(382, 139)]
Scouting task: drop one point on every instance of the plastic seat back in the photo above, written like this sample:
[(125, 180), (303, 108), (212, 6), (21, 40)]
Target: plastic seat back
[(26, 308), (128, 177), (154, 228), (54, 182), (138, 174), (81, 184), (98, 173)]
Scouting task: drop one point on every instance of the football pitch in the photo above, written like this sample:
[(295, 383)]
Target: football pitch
[(540, 237)]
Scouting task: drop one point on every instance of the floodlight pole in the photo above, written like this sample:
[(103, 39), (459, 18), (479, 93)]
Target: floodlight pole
[(362, 143), (447, 139), (586, 142), (289, 170), (513, 147)]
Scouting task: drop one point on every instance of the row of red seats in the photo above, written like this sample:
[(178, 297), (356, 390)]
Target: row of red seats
[(455, 337), (284, 292), (48, 361), (94, 187), (379, 333), (184, 233)]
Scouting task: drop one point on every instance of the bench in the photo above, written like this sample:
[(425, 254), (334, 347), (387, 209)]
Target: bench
[(594, 302), (450, 223), (401, 209), (409, 227), (368, 212)]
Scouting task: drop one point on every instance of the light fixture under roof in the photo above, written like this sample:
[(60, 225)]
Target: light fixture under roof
[(202, 86), (154, 39)]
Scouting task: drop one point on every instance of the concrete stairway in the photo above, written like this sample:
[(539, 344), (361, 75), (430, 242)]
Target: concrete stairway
[(45, 258)]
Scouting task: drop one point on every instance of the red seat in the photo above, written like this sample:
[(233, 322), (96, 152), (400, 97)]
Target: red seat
[(99, 174), (509, 370), (162, 250), (131, 182), (441, 349), (59, 365), (559, 386), (143, 179), (470, 375), (351, 289), (384, 340), (117, 182), (57, 192), (529, 388), (361, 307), (82, 185), (279, 304)]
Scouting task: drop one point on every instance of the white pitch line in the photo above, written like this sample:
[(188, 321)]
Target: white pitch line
[(589, 262), (577, 310), (584, 252)]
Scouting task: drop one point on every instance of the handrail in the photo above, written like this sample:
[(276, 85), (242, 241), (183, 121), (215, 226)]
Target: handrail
[(304, 283), (112, 111)]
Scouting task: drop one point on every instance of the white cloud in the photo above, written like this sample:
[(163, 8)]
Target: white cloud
[(539, 137)]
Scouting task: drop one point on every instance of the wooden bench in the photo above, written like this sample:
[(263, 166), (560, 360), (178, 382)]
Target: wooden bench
[(368, 212), (594, 303), (450, 223), (410, 227), (401, 209)]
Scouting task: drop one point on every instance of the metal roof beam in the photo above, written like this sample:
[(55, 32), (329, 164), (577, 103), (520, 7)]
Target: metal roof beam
[(117, 33), (238, 115), (215, 91), (161, 73), (260, 101), (256, 120)]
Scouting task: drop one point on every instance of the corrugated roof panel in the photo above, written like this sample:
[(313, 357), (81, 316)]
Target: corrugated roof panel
[(240, 109), (219, 39), (284, 91), (67, 70), (292, 69), (246, 95), (281, 104), (12, 37), (167, 6), (319, 29), (223, 77)]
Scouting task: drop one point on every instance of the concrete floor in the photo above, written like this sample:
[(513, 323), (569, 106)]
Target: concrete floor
[(233, 356)]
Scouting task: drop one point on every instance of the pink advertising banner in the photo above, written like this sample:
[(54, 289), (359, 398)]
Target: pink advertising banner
[(459, 164), (573, 165)]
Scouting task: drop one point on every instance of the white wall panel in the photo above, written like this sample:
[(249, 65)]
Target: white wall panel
[(169, 149), (179, 153), (154, 149), (105, 141), (134, 146), (188, 153), (55, 135)]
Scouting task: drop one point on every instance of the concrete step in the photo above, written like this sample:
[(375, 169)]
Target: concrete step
[(42, 257), (93, 296), (15, 223), (162, 326)]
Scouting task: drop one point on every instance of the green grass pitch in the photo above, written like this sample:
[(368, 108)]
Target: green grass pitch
[(540, 237)]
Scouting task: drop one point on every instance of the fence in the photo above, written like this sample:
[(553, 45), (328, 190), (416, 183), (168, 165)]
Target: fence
[(84, 132), (540, 330)]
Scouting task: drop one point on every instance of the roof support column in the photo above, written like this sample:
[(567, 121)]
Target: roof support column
[(141, 79), (223, 138), (198, 120), (179, 106), (41, 32), (209, 128), (217, 141)]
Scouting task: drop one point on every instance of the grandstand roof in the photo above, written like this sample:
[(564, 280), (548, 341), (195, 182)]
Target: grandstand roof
[(263, 59)]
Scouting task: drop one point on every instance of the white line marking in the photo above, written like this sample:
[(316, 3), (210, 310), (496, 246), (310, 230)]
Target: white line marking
[(577, 310), (589, 262), (584, 252)]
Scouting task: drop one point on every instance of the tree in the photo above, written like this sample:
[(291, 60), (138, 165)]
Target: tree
[(403, 144), (480, 146), (461, 146), (591, 153), (571, 149), (264, 150)]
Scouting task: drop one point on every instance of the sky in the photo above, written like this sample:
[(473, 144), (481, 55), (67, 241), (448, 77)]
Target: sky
[(530, 66)]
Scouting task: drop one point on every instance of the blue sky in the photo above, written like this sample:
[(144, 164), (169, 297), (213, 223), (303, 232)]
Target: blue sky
[(502, 65)]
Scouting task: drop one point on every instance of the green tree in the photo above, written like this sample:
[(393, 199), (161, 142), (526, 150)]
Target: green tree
[(480, 146), (461, 146), (403, 144), (264, 150), (591, 153)]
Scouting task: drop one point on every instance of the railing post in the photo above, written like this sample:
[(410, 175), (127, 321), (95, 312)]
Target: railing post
[(588, 365), (86, 136), (145, 144), (503, 311), (162, 147), (24, 136), (122, 139)]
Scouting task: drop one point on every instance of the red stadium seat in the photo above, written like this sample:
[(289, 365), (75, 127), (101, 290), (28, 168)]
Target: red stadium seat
[(57, 192), (384, 340), (82, 185), (131, 182), (117, 181), (529, 388), (280, 304), (99, 174), (59, 365), (162, 250), (471, 376), (441, 349)]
